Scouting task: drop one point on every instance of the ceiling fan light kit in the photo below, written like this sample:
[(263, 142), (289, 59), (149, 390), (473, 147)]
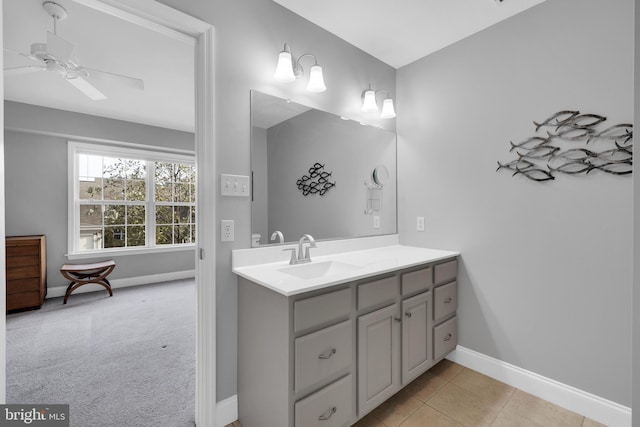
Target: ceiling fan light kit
[(55, 56), (56, 11)]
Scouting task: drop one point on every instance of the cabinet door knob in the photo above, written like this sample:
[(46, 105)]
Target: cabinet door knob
[(448, 337), (408, 314), (327, 415), (327, 354), (448, 300)]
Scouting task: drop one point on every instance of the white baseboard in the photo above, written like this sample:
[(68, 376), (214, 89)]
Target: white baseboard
[(227, 411), (598, 409), (59, 291)]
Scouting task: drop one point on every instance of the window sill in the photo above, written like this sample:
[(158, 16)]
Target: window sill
[(128, 251)]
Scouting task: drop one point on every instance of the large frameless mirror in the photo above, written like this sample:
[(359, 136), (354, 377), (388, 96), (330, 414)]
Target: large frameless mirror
[(317, 173)]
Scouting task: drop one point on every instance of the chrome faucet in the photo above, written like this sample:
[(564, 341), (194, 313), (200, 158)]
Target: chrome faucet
[(279, 235), (312, 244), (300, 259)]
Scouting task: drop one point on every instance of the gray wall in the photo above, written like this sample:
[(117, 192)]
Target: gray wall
[(349, 151), (636, 233), (249, 35), (546, 272), (36, 181)]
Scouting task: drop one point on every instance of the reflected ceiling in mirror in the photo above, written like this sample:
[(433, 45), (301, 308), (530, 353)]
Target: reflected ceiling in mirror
[(295, 151)]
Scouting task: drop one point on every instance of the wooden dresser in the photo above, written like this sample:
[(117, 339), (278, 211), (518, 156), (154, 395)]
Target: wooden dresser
[(26, 272)]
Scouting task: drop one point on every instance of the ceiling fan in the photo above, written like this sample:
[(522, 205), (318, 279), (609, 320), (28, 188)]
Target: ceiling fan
[(55, 56)]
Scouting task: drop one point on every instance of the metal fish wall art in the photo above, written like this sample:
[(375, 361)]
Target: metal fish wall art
[(317, 182), (542, 157)]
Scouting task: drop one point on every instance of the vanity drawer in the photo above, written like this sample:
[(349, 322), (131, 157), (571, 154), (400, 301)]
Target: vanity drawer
[(445, 337), (322, 354), (445, 272), (320, 309), (445, 300), (377, 292), (417, 281), (332, 406)]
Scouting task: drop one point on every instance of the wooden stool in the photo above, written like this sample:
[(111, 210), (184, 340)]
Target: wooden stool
[(83, 274)]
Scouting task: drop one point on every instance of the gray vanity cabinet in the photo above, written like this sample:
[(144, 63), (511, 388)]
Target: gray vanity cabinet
[(416, 336), (327, 357), (378, 344), (445, 331)]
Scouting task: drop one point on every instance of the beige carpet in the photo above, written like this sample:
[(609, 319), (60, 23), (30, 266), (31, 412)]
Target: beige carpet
[(128, 360)]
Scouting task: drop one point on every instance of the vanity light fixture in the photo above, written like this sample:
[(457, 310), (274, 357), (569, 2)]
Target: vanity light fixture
[(369, 103), (290, 69)]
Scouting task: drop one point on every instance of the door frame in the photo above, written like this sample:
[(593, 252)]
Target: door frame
[(166, 20)]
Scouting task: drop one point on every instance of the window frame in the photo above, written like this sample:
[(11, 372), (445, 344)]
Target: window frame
[(128, 151)]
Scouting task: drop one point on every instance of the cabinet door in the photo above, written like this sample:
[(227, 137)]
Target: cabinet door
[(416, 340), (378, 364)]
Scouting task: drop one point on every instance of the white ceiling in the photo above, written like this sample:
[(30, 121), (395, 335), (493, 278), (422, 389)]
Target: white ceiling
[(402, 31), (109, 44), (396, 32)]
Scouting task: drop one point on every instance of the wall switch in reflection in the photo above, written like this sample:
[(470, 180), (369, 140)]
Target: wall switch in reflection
[(420, 223), (376, 221), (226, 230)]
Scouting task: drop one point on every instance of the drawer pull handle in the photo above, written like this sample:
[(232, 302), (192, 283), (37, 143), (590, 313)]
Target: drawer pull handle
[(408, 314), (327, 354), (448, 337), (448, 300), (397, 319), (327, 415)]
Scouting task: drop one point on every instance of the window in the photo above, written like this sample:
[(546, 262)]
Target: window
[(127, 199)]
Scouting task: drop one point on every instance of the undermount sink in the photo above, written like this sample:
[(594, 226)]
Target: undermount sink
[(314, 270)]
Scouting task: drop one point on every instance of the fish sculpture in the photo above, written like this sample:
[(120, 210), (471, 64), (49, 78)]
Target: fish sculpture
[(539, 153), (516, 165), (536, 174), (540, 157), (572, 167), (561, 118), (531, 143), (317, 182)]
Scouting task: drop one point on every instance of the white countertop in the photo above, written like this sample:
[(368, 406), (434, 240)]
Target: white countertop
[(361, 264)]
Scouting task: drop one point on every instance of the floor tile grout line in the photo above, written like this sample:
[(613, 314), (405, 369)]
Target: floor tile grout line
[(443, 414), (409, 416), (504, 405)]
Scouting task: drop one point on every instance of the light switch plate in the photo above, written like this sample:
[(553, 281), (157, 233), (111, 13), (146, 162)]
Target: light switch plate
[(234, 185), (376, 221), (420, 223), (226, 230)]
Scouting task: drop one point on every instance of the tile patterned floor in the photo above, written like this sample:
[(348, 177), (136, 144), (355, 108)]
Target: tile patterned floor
[(449, 395)]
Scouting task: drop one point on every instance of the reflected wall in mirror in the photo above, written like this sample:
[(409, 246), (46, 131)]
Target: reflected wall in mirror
[(286, 138)]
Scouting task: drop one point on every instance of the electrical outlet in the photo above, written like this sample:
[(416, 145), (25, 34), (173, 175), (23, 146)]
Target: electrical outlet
[(376, 221), (234, 185), (420, 223), (226, 230)]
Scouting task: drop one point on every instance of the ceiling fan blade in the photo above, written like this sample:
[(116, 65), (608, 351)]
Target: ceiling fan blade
[(121, 80), (87, 88), (7, 50), (23, 70), (59, 47)]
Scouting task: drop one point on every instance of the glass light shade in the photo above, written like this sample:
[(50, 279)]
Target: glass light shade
[(388, 112), (369, 103), (284, 69), (316, 81)]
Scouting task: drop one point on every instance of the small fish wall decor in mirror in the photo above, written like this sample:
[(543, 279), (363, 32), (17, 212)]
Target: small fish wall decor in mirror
[(317, 182), (569, 142)]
